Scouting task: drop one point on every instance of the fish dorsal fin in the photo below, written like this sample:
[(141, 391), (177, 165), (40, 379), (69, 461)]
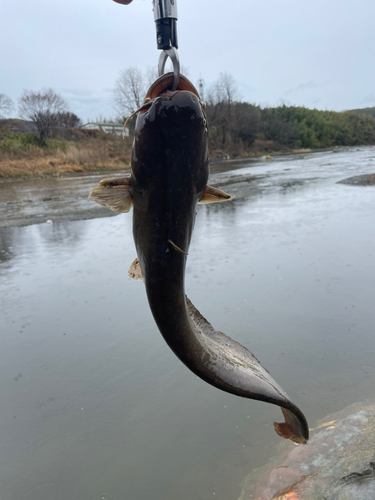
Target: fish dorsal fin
[(113, 194), (135, 271), (214, 195)]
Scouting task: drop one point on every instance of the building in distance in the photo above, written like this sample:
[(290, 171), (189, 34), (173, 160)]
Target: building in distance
[(108, 128)]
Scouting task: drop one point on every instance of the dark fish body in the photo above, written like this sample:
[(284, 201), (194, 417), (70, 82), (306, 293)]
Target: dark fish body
[(169, 178), (169, 174)]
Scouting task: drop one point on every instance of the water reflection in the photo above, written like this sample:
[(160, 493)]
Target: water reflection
[(16, 242), (60, 234), (6, 246), (93, 402)]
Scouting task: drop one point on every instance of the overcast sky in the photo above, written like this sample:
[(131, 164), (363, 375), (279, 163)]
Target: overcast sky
[(317, 53)]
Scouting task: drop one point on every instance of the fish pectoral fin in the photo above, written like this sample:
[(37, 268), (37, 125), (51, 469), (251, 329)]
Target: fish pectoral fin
[(214, 195), (113, 194), (135, 271), (173, 245)]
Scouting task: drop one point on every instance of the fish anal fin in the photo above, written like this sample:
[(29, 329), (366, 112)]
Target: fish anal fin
[(135, 271), (214, 195), (113, 194)]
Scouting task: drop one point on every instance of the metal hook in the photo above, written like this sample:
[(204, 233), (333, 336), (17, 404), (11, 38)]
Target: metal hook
[(173, 55)]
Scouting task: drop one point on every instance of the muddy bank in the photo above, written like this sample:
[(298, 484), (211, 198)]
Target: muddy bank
[(360, 180), (53, 199), (65, 198), (67, 215)]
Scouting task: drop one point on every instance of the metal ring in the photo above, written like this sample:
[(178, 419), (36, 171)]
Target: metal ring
[(173, 55)]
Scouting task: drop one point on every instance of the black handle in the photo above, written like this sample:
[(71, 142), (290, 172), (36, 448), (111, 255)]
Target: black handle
[(166, 33)]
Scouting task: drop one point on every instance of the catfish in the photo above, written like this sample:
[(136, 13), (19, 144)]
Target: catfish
[(169, 175)]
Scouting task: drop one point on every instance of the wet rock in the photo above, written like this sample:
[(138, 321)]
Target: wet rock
[(338, 463), (219, 155), (359, 180)]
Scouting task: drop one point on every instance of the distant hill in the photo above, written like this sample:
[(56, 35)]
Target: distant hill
[(17, 125), (365, 111)]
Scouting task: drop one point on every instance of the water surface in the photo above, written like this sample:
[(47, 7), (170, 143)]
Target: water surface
[(94, 404)]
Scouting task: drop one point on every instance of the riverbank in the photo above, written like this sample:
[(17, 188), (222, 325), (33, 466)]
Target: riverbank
[(52, 167), (58, 198), (87, 160), (21, 157)]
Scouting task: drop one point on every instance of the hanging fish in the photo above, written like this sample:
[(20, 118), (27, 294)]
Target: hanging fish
[(168, 178)]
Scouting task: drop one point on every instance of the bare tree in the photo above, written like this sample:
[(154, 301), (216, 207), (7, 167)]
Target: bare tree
[(220, 99), (131, 87), (6, 105), (42, 108), (129, 91), (224, 90), (151, 75)]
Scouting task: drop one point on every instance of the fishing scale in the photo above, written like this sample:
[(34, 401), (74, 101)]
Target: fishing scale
[(165, 15)]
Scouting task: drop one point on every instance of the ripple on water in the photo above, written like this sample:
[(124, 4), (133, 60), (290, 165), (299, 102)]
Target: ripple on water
[(44, 490), (368, 369), (103, 496), (54, 406)]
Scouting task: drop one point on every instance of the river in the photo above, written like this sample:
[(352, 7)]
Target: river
[(94, 404)]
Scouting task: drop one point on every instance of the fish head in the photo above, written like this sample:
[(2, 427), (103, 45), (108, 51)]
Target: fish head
[(171, 139), (169, 163)]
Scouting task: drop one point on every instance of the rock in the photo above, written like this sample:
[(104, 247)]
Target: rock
[(359, 180), (338, 463)]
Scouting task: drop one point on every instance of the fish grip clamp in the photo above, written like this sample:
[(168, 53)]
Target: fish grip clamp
[(165, 15)]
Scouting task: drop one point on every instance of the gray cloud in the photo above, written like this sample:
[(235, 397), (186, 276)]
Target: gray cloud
[(301, 86), (76, 92), (284, 102), (88, 104), (80, 48), (370, 99)]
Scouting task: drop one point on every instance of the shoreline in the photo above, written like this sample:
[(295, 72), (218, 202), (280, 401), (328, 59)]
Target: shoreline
[(74, 171), (64, 175), (40, 199)]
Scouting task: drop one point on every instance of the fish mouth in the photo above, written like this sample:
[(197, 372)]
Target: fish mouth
[(161, 88), (163, 84)]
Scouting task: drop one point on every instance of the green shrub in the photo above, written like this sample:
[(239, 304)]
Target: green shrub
[(28, 139), (53, 145), (19, 143)]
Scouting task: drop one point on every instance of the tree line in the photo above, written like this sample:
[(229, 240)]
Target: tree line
[(290, 127), (237, 125), (45, 109), (234, 125), (366, 111)]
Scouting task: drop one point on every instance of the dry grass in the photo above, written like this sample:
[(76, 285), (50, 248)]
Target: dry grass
[(86, 155), (105, 152)]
